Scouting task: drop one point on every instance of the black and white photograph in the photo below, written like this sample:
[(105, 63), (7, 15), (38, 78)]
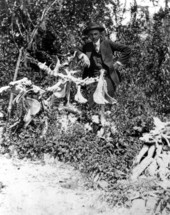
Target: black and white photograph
[(84, 107)]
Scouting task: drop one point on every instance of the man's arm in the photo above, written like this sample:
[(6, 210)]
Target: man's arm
[(125, 52), (82, 57)]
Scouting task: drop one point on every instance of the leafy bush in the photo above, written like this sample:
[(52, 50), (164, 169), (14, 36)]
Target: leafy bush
[(108, 161)]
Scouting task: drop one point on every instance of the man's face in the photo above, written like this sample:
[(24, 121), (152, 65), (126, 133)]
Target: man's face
[(94, 35)]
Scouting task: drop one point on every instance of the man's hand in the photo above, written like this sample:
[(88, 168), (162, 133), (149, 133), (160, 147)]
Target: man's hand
[(117, 65), (84, 60)]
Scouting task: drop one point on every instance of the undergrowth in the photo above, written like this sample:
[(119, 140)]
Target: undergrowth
[(106, 160)]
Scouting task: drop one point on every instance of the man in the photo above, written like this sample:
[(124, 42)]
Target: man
[(98, 54)]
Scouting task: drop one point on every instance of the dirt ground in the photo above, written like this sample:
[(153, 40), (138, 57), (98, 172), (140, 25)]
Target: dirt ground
[(51, 188)]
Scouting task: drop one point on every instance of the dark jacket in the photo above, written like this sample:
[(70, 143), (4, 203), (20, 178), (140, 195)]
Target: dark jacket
[(107, 49)]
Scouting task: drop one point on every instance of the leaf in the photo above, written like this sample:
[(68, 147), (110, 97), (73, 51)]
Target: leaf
[(109, 99), (98, 95), (1, 115), (95, 119), (27, 117), (18, 97), (70, 108), (147, 138), (57, 67), (61, 93), (88, 127), (33, 106), (103, 184), (43, 25), (138, 128), (158, 123), (79, 97)]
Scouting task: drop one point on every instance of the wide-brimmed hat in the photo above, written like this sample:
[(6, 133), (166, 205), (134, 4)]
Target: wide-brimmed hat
[(93, 26)]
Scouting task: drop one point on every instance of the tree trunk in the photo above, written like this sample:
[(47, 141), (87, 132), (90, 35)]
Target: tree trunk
[(166, 4)]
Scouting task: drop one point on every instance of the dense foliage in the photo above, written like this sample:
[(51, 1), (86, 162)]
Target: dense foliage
[(46, 31)]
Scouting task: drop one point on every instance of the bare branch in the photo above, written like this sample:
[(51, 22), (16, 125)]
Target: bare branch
[(43, 16)]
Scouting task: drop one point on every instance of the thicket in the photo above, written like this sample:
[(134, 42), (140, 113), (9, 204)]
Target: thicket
[(143, 93)]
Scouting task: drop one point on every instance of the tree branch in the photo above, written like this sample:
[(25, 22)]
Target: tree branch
[(14, 79), (43, 16)]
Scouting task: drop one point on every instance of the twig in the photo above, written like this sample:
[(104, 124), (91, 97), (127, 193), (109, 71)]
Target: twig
[(68, 77), (166, 139), (14, 79), (43, 16)]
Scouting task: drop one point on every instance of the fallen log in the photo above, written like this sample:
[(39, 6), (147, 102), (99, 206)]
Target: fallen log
[(137, 171), (151, 151), (152, 168), (142, 152), (156, 148)]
